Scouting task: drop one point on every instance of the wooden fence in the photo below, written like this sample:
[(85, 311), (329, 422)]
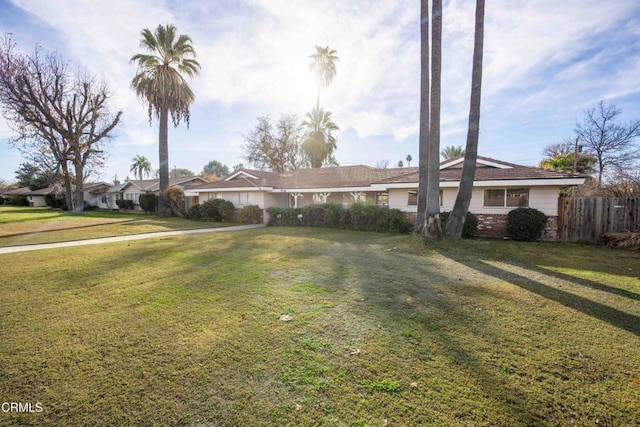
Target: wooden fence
[(585, 219)]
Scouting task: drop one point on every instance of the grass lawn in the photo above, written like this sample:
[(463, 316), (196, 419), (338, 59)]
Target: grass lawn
[(385, 330), (25, 226)]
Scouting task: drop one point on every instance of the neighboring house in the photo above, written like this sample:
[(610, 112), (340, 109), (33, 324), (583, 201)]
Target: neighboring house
[(37, 198), (498, 188), (22, 191), (132, 189)]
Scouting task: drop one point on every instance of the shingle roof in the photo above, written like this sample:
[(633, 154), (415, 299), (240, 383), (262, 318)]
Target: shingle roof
[(154, 184), (364, 176)]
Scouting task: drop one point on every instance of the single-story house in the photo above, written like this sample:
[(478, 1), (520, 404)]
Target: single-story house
[(37, 198), (131, 190), (498, 188), (15, 192)]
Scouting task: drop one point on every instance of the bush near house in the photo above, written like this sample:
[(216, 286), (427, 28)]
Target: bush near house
[(470, 226), (2, 200), (194, 213), (525, 224), (148, 202), (55, 201), (125, 204), (216, 210), (249, 214), (361, 217)]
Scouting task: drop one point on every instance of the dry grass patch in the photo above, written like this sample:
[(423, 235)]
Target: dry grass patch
[(186, 331)]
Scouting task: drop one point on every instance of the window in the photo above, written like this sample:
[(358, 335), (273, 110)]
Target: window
[(243, 199), (413, 198), (103, 198), (507, 197), (382, 198)]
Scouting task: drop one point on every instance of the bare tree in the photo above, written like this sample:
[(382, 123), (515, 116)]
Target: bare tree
[(611, 143), (51, 111), (276, 148)]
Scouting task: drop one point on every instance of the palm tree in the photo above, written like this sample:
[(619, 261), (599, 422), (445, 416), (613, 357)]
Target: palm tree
[(141, 166), (409, 158), (423, 138), (451, 152), (321, 140), (324, 67), (582, 163), (160, 82), (432, 228), (463, 199)]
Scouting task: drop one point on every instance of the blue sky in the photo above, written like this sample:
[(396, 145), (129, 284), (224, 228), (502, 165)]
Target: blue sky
[(545, 62)]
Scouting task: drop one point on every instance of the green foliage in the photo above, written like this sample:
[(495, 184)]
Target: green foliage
[(209, 210), (385, 385), (525, 224), (125, 204), (2, 200), (194, 213), (148, 202), (470, 226), (360, 216), (226, 210), (250, 214), (55, 201)]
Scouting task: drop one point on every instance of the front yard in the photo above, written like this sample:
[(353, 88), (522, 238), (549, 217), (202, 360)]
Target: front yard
[(385, 330)]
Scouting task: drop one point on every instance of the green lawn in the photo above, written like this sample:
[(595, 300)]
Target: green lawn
[(385, 329), (22, 226)]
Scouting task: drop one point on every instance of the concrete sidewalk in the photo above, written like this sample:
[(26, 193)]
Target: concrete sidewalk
[(25, 248)]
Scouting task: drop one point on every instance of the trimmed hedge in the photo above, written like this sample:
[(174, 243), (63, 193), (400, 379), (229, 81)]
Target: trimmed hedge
[(525, 224), (217, 210), (250, 214), (125, 204), (470, 226), (148, 202), (194, 213), (358, 217)]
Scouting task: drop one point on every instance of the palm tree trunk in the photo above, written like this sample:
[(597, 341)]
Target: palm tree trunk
[(432, 228), (163, 155), (423, 149), (463, 199)]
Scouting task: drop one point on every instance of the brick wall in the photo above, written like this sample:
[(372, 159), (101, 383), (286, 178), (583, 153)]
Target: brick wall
[(490, 225)]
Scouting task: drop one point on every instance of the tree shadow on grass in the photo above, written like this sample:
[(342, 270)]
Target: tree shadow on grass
[(613, 316)]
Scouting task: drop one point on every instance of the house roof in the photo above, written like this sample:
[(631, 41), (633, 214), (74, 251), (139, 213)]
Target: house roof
[(154, 184), (487, 169), (16, 191)]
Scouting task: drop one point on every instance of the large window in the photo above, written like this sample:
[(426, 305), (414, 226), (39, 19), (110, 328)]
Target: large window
[(507, 197), (382, 198)]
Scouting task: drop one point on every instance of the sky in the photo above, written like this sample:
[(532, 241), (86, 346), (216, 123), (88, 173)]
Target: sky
[(545, 63)]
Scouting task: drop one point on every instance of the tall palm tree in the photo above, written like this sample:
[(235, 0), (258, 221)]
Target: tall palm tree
[(432, 228), (141, 166), (452, 151), (409, 158), (321, 140), (463, 199), (423, 138), (323, 66), (159, 81)]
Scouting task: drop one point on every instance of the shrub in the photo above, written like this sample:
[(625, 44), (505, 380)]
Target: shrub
[(470, 226), (358, 217), (1, 200), (125, 204), (249, 214), (22, 200), (209, 210), (226, 210), (174, 196), (194, 213), (148, 202), (525, 224)]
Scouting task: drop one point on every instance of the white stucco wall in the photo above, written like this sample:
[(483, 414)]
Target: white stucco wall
[(544, 199)]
